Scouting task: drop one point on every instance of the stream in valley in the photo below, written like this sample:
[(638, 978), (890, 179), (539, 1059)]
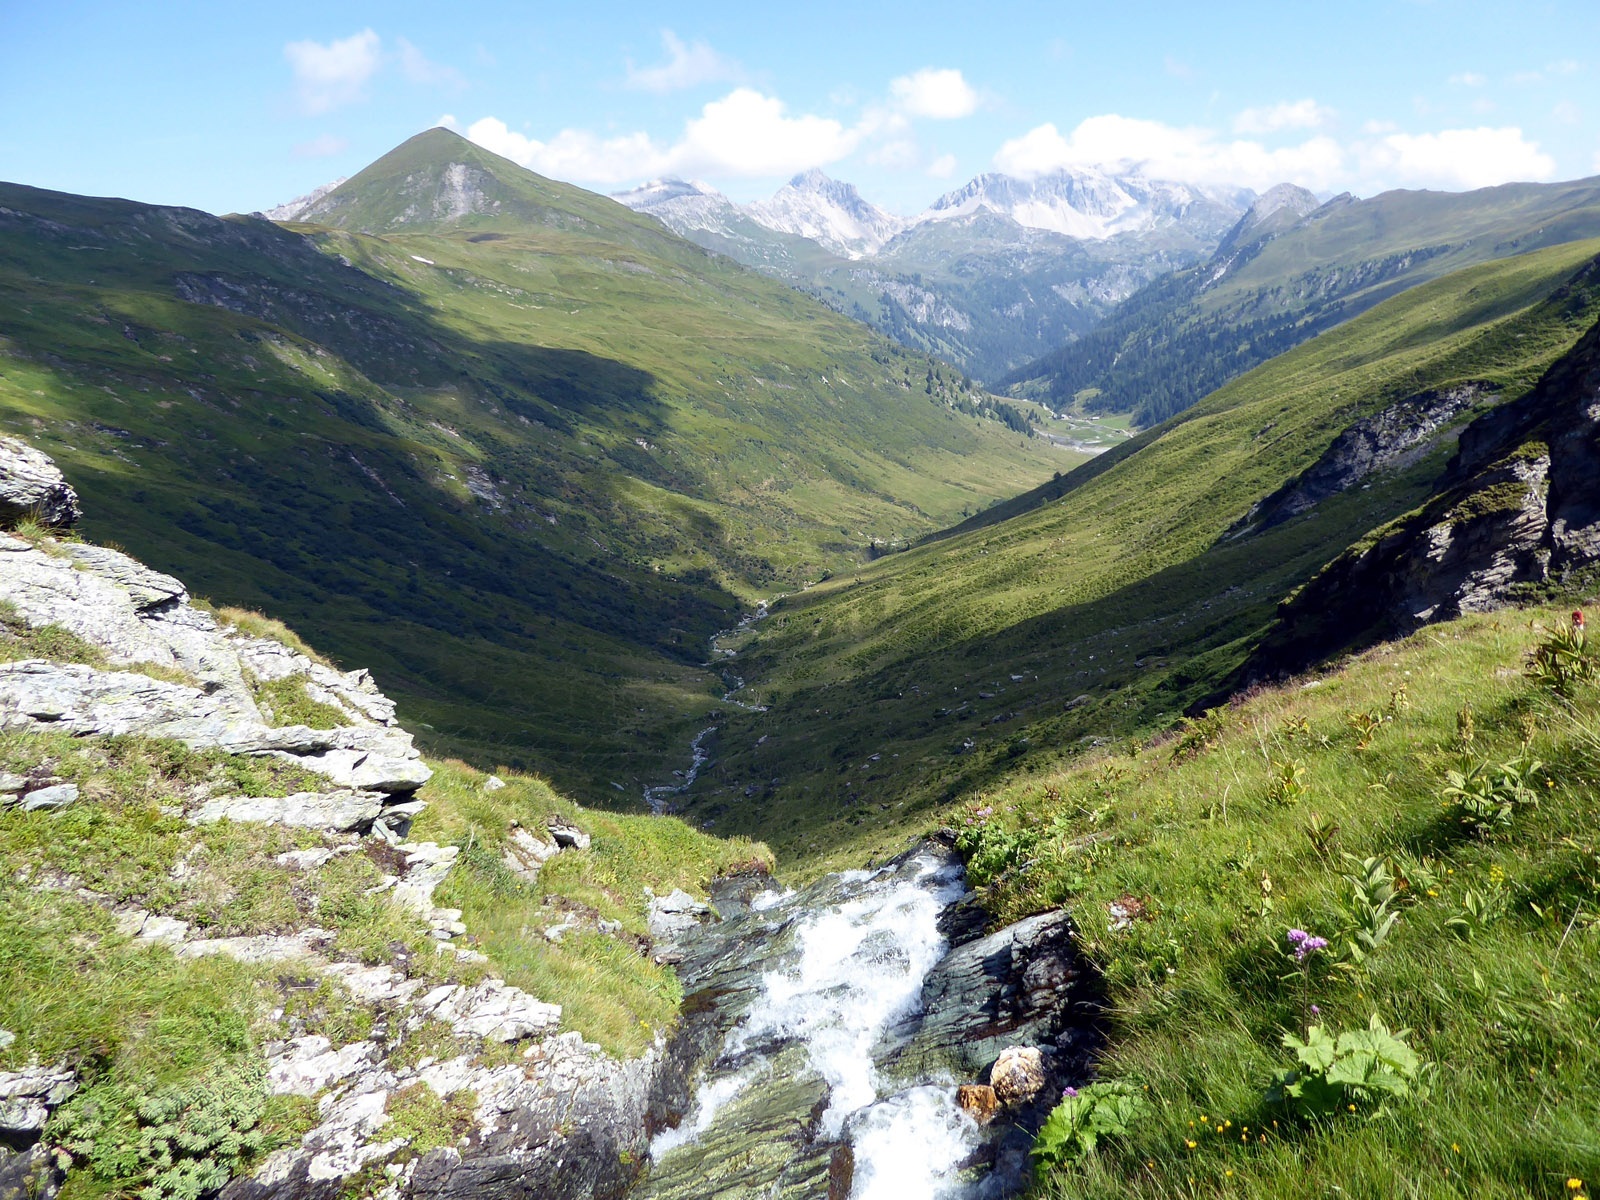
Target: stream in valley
[(826, 1031)]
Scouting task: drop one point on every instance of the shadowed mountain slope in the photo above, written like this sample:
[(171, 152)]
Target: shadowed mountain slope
[(522, 453)]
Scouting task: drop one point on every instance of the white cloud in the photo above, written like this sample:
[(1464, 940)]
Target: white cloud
[(747, 133), (744, 134), (940, 93), (335, 74), (1457, 158), (1167, 152), (1567, 112), (573, 153), (1291, 114), (942, 167), (1383, 158), (686, 66), (896, 155), (417, 67), (1565, 66), (1468, 79), (324, 146)]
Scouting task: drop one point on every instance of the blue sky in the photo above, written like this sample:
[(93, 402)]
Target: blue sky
[(232, 107)]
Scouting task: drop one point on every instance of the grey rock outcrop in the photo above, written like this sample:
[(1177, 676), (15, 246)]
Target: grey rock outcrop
[(1391, 438), (1519, 504), (672, 919), (28, 1170), (59, 795), (32, 486), (28, 1097), (141, 619)]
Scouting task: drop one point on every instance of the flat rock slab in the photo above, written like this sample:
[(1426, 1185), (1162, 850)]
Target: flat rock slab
[(343, 810)]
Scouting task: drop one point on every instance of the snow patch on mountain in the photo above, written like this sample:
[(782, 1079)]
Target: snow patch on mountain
[(1093, 205)]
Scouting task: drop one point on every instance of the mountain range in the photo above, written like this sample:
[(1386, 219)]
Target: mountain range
[(990, 276), (1290, 269)]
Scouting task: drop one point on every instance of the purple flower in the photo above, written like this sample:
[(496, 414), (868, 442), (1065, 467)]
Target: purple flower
[(1068, 1093), (1303, 944), (1315, 1011)]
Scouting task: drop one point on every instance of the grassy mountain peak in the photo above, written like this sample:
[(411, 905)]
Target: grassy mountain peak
[(439, 180)]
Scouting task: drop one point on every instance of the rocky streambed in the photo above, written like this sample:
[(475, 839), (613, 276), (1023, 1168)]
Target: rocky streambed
[(865, 1038)]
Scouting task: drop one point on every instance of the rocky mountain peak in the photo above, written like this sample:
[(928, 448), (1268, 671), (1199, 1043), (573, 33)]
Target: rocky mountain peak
[(830, 212)]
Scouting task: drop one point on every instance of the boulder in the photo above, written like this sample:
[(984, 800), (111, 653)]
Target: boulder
[(343, 810), (29, 1096), (426, 866), (978, 1100), (308, 1066), (57, 796), (492, 1010), (568, 837), (1018, 1075), (33, 486), (525, 854), (672, 918)]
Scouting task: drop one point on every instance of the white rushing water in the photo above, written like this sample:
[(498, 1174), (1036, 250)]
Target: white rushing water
[(858, 967)]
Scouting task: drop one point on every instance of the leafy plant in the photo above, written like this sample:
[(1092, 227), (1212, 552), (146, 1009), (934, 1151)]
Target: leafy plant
[(1288, 782), (1485, 796), (1347, 1071), (1198, 734), (1563, 659), (1085, 1115), (1322, 832), (177, 1142), (1479, 910), (991, 849), (1366, 724), (1371, 912)]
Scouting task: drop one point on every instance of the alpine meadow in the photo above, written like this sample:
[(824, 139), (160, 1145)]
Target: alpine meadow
[(799, 605)]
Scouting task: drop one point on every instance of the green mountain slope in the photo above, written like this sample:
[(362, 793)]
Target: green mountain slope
[(1272, 288), (1469, 930), (522, 461), (1111, 609)]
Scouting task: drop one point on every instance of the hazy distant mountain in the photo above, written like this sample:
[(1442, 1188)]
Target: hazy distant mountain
[(1090, 204), (1288, 270), (830, 213), (294, 209), (683, 204), (991, 276)]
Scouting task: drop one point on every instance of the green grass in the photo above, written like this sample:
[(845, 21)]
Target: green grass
[(1116, 582), (1222, 861), (295, 435), (606, 986), (287, 701)]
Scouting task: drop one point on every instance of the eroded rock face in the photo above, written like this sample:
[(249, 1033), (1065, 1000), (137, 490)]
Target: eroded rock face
[(32, 486), (1519, 504), (141, 617)]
